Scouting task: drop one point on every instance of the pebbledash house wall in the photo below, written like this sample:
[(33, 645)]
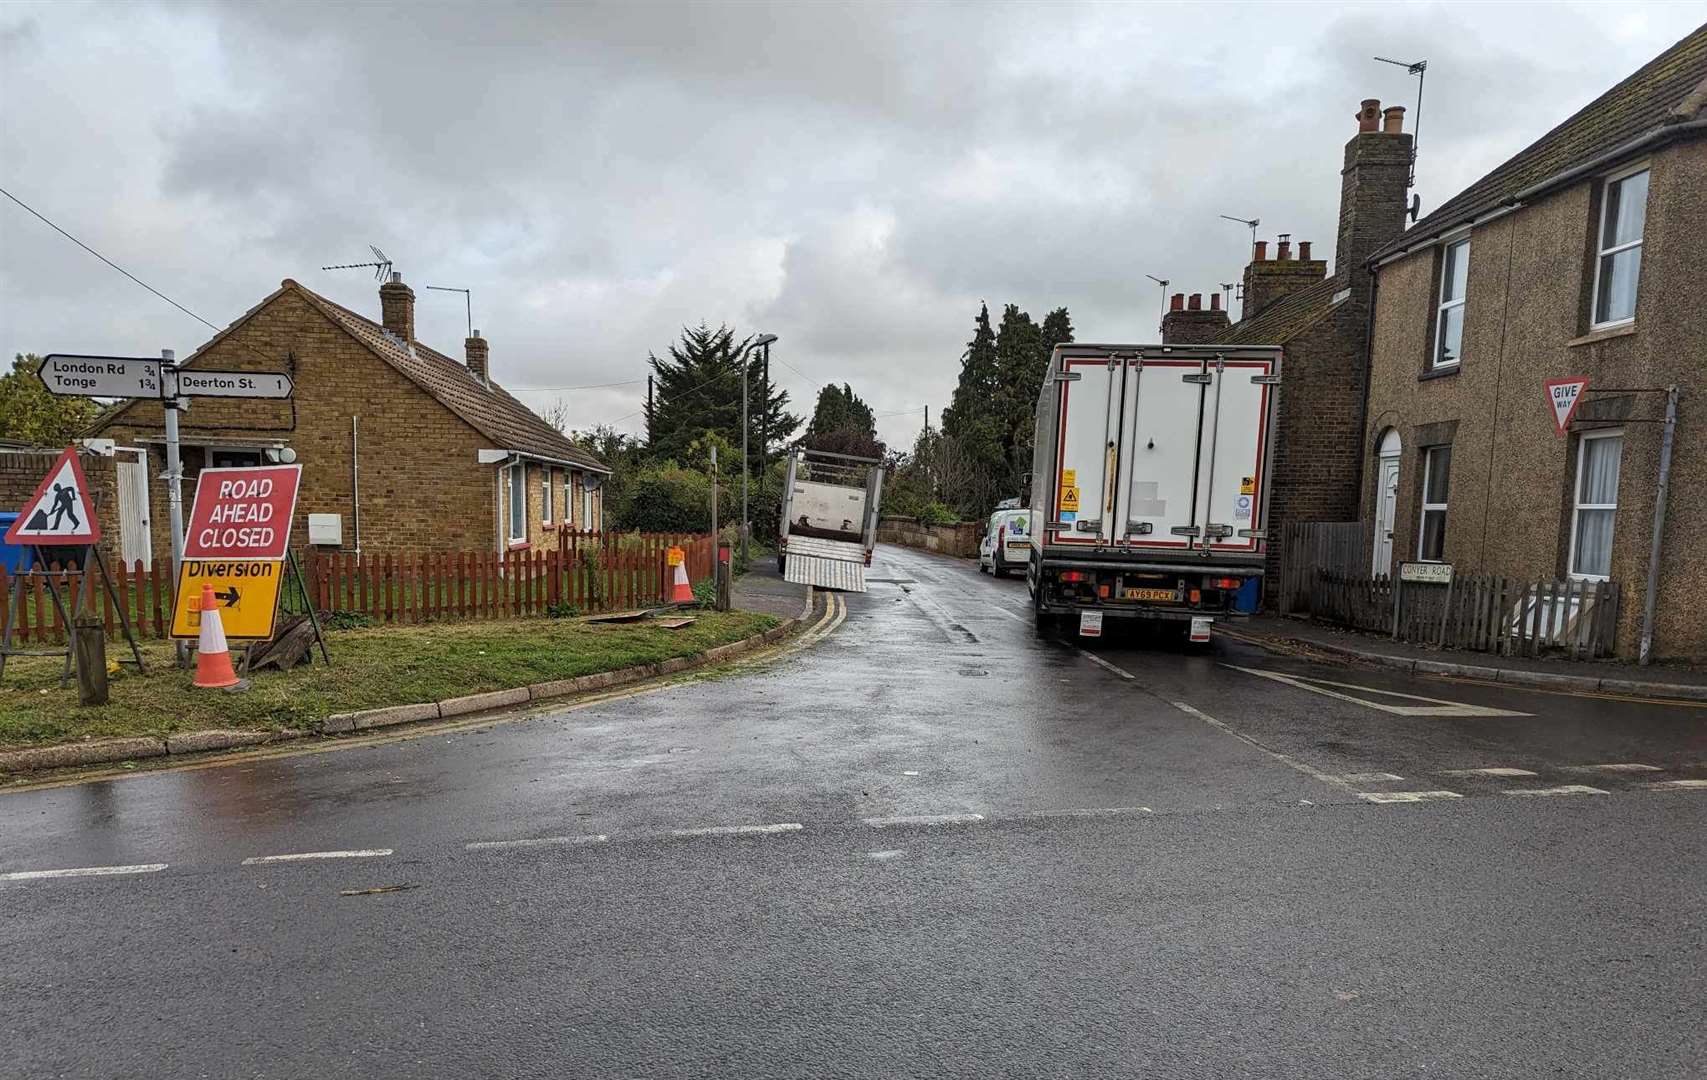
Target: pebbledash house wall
[(422, 487), (1529, 289)]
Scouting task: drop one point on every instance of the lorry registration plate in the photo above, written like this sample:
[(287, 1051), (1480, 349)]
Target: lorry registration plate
[(1165, 596), (1090, 624)]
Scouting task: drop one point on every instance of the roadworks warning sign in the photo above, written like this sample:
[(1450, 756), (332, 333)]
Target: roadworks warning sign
[(246, 590)]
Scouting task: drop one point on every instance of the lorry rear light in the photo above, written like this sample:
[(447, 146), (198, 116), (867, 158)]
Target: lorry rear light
[(1196, 596), (1226, 583), (1074, 575), (1102, 591)]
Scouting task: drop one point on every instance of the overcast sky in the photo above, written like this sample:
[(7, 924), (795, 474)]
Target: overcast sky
[(853, 178)]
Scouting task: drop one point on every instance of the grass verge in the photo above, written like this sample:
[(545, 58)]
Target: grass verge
[(396, 665)]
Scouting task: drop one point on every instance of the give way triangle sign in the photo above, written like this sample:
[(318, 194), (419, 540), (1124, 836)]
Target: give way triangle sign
[(1564, 395), (60, 512)]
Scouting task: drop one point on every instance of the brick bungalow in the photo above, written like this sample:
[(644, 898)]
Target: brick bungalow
[(1585, 254), (403, 449), (1322, 321)]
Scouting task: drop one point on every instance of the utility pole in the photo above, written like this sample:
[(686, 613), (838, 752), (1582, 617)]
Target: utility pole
[(174, 475), (648, 410), (763, 341)]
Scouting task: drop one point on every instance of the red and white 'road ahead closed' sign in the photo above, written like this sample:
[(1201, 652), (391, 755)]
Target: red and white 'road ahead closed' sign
[(242, 513)]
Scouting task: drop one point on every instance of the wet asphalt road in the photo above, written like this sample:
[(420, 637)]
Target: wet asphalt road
[(1010, 859)]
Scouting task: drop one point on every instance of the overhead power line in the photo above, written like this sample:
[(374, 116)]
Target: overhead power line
[(55, 227)]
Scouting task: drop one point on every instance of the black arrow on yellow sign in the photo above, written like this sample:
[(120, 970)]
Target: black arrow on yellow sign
[(229, 596)]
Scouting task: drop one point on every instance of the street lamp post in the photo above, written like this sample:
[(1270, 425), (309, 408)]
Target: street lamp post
[(746, 524)]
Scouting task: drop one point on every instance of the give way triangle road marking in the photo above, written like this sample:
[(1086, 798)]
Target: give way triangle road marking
[(1433, 707)]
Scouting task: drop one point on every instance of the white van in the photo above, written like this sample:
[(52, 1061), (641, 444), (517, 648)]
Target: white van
[(1007, 542)]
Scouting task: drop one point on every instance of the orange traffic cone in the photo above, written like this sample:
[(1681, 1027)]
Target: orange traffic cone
[(682, 591), (213, 656)]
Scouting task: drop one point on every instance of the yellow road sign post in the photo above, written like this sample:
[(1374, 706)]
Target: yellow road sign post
[(247, 591)]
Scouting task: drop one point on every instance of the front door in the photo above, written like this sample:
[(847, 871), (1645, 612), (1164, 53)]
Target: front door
[(1386, 504)]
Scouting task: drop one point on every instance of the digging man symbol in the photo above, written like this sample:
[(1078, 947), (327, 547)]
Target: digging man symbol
[(64, 504)]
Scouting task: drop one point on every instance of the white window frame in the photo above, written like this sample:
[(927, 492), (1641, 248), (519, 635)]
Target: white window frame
[(518, 502), (545, 495), (1428, 453), (1577, 505), (1600, 253), (1442, 304), (569, 498)]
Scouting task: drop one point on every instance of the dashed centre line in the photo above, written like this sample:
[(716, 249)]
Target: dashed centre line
[(1494, 770), (83, 871), (923, 819), (303, 856), (1623, 766), (740, 830), (1675, 785), (1406, 796), (1562, 789), (535, 841)]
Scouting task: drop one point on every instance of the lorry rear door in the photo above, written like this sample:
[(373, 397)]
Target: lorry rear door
[(1087, 432), (1192, 466)]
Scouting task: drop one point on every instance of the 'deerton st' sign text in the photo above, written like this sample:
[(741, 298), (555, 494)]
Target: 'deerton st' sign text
[(242, 513)]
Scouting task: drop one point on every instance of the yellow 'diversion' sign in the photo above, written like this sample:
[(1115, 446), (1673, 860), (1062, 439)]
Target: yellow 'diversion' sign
[(246, 590), (675, 556)]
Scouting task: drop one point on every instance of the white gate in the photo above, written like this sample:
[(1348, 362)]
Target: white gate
[(136, 541)]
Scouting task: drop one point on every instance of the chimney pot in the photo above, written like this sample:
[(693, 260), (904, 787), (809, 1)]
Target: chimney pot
[(1196, 302), (477, 349), (1369, 116), (1303, 251), (397, 308), (1215, 301), (1177, 302), (1262, 251), (1393, 120), (1285, 251)]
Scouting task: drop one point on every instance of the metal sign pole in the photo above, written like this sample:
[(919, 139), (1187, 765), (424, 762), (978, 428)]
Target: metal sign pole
[(174, 476)]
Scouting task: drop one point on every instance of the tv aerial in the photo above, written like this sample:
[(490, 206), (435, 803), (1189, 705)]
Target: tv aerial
[(1163, 282), (381, 267), (1249, 223), (1418, 68), (467, 298)]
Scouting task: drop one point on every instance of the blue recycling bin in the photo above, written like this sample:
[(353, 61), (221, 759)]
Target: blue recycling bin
[(12, 556)]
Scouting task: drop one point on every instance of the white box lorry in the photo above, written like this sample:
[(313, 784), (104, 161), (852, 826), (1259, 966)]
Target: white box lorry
[(1150, 484), (829, 519)]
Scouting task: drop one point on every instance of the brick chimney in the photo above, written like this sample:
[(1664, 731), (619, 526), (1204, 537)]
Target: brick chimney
[(1373, 186), (1189, 323), (1267, 280), (397, 308), (475, 348)]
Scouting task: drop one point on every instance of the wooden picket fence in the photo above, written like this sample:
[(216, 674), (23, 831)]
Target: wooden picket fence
[(584, 572), (1306, 547), (1511, 617)]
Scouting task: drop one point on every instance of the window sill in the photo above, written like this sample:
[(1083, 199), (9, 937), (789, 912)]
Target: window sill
[(1603, 334), (1438, 372), (519, 545)]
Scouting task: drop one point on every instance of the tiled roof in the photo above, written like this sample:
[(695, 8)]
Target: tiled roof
[(488, 409), (1284, 319), (1670, 89)]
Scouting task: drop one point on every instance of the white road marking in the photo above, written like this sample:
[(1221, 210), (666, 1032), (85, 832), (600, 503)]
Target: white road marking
[(82, 871), (1675, 785), (1436, 707), (1104, 811), (1003, 608), (1493, 770), (300, 856), (739, 830), (1562, 789), (884, 856), (1622, 766), (1285, 759), (909, 772), (1100, 662), (535, 841), (1406, 796), (923, 819), (1369, 777)]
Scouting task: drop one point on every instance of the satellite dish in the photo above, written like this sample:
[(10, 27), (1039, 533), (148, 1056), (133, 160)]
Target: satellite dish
[(1416, 206)]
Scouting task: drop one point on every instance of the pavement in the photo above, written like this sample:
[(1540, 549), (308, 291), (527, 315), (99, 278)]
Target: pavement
[(918, 841), (1674, 680), (762, 589)]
